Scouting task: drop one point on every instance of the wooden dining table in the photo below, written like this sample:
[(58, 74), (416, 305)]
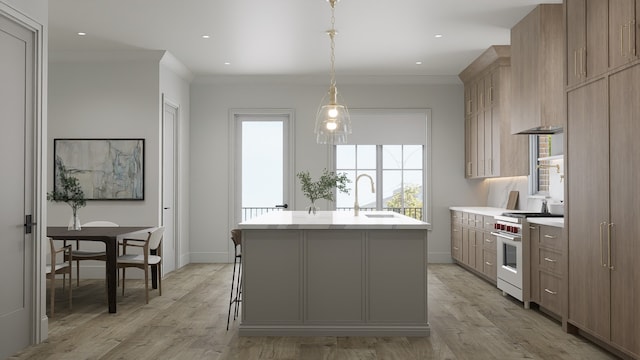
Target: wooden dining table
[(109, 236)]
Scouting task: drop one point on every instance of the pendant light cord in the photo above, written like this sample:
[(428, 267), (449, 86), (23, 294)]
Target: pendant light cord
[(332, 34)]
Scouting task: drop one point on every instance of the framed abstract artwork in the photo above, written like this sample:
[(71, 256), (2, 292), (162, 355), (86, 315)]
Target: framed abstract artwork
[(107, 169)]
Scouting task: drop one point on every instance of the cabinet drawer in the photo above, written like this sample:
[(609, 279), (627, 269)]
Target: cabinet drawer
[(551, 237), (550, 260), (465, 218), (488, 222), (456, 248), (456, 217), (477, 220), (489, 267), (550, 292), (490, 242)]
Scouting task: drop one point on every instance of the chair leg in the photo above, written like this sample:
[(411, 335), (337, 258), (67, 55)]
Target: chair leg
[(52, 291), (77, 273), (238, 290), (160, 279), (70, 288), (233, 280), (146, 283), (124, 270)]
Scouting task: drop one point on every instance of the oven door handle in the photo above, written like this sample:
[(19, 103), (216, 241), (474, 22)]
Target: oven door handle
[(505, 236)]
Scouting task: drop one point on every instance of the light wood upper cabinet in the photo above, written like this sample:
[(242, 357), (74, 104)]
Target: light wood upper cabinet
[(587, 42), (622, 32), (537, 52), (490, 150)]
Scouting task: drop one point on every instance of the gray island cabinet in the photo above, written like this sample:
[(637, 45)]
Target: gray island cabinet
[(334, 274)]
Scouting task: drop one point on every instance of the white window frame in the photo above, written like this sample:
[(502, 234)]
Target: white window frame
[(426, 159)]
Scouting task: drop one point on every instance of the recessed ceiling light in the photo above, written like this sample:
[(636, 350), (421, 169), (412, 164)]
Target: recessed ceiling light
[(205, 36), (82, 33), (437, 36), (227, 63), (418, 62)]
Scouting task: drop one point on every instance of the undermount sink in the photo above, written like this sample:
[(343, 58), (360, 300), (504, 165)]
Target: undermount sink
[(382, 216)]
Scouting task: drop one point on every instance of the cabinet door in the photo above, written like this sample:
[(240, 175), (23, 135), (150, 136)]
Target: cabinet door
[(465, 245), (471, 256), (473, 147), (474, 98), (595, 57), (588, 201), (468, 163), (456, 242), (621, 32), (534, 241), (480, 144), (467, 100), (479, 251), (576, 38), (624, 259), (489, 155)]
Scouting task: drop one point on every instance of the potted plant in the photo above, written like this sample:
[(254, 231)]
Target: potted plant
[(323, 188), (68, 191)]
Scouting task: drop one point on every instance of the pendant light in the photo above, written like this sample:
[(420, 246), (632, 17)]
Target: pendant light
[(333, 123)]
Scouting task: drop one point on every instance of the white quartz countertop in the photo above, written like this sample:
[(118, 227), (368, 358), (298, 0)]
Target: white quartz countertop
[(493, 211), (482, 210), (552, 221), (333, 220)]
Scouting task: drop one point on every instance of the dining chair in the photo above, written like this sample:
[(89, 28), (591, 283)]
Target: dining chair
[(145, 260), (80, 255), (56, 267)]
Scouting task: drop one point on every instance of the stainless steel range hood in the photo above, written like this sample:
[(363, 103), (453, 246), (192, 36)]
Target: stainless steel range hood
[(541, 130)]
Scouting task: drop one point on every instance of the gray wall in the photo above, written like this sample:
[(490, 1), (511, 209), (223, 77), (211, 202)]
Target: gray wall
[(211, 100)]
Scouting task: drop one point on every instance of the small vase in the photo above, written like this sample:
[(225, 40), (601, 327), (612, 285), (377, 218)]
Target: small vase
[(312, 208), (74, 222)]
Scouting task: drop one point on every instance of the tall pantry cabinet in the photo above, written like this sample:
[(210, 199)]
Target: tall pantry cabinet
[(603, 201)]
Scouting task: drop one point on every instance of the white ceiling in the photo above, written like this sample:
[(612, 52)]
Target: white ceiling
[(288, 37)]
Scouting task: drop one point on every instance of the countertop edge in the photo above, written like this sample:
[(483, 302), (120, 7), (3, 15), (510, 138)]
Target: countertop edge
[(556, 222)]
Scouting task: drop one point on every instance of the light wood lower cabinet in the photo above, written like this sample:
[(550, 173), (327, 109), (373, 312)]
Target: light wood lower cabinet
[(472, 244), (547, 267)]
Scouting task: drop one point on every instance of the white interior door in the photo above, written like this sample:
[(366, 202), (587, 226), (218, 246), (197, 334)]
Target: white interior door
[(16, 192), (170, 246)]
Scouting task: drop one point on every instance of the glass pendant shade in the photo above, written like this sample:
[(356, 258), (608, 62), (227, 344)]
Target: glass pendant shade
[(333, 122)]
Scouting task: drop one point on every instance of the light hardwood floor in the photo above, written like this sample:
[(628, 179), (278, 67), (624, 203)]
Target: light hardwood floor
[(470, 319)]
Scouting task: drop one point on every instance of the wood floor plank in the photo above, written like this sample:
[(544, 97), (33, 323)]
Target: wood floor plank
[(469, 318)]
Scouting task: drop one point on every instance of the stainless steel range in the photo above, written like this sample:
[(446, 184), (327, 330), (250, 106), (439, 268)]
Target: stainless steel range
[(513, 252)]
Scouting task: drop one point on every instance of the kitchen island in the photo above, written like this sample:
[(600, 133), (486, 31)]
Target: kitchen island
[(334, 274)]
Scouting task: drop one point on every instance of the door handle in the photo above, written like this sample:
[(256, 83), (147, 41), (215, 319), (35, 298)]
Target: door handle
[(611, 267), (283, 206), (28, 224), (167, 208)]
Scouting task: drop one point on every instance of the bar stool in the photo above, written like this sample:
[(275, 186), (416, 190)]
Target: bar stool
[(236, 280)]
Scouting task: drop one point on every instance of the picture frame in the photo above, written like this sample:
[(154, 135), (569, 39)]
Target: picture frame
[(107, 169)]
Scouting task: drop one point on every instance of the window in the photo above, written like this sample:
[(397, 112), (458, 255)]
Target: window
[(398, 174), (540, 147), (545, 167)]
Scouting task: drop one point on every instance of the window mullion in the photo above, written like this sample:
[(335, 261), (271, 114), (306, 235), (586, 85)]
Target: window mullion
[(379, 204)]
